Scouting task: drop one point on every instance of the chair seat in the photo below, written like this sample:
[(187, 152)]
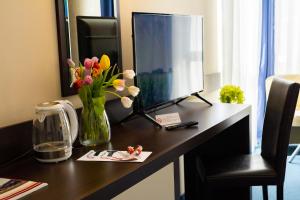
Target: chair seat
[(240, 170), (249, 170)]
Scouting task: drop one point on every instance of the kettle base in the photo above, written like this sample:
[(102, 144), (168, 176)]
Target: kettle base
[(52, 160), (53, 156)]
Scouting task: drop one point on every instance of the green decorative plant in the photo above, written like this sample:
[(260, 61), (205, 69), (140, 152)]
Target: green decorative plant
[(232, 94)]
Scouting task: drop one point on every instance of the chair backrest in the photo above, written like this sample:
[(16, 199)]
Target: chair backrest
[(290, 77), (277, 124)]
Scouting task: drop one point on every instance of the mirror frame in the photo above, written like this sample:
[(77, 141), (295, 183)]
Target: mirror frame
[(63, 48)]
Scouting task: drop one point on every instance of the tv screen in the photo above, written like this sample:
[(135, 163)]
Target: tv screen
[(97, 36), (168, 57)]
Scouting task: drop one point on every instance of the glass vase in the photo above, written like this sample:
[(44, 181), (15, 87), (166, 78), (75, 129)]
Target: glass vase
[(95, 128)]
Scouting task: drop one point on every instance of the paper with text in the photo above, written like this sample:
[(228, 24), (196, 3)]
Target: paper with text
[(114, 156), (168, 119)]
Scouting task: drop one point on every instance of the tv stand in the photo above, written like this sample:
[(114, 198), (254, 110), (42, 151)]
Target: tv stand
[(149, 118), (196, 94), (142, 114)]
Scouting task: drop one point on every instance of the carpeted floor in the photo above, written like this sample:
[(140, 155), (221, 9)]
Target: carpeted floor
[(291, 187)]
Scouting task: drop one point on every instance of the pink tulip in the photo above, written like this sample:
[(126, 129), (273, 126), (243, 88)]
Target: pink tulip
[(95, 59), (88, 80), (88, 63), (70, 62), (87, 72)]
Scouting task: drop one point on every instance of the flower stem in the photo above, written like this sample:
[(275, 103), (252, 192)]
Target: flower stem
[(113, 93)]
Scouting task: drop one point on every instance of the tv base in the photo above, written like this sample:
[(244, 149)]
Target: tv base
[(149, 118), (196, 94), (142, 114)]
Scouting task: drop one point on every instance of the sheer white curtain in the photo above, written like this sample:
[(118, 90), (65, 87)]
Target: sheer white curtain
[(239, 23), (287, 37)]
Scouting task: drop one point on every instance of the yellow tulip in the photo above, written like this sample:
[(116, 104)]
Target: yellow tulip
[(119, 84), (104, 62)]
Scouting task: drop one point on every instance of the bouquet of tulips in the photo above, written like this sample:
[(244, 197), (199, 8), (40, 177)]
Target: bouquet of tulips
[(91, 79), (92, 82)]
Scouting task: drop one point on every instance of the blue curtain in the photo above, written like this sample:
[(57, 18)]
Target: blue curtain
[(66, 8), (107, 8), (266, 67)]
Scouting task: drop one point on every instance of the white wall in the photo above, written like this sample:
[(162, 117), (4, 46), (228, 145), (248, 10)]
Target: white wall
[(29, 52), (28, 56), (207, 8)]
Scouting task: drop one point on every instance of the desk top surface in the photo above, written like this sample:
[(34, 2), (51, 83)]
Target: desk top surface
[(73, 179)]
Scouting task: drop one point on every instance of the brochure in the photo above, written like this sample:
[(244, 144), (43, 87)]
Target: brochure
[(11, 189)]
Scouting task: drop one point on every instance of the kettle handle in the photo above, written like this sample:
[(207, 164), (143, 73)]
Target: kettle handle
[(68, 106)]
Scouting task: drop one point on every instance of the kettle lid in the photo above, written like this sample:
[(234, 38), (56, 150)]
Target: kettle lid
[(48, 106)]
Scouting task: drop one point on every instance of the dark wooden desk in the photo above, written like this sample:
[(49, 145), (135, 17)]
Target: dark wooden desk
[(219, 126)]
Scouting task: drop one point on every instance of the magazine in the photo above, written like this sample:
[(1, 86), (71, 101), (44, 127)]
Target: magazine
[(11, 189)]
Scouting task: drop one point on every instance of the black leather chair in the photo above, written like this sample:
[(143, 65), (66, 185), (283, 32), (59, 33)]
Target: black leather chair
[(265, 169)]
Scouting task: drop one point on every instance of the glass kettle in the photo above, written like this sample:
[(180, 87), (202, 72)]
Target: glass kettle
[(55, 128)]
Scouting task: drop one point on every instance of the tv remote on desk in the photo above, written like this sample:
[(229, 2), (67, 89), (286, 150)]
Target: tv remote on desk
[(181, 125)]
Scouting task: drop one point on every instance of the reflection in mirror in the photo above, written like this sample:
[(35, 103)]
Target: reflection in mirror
[(86, 28), (97, 36)]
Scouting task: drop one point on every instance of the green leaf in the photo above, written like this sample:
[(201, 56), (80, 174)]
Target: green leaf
[(98, 105)]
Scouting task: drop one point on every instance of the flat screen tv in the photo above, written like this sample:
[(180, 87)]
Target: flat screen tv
[(97, 36), (168, 57)]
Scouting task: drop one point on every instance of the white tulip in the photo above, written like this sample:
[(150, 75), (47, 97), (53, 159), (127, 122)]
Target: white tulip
[(129, 74), (73, 77), (134, 91), (126, 102)]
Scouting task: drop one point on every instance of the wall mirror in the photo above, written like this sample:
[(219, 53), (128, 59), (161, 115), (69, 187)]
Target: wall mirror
[(86, 28)]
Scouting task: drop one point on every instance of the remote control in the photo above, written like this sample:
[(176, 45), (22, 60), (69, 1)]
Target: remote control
[(182, 125)]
